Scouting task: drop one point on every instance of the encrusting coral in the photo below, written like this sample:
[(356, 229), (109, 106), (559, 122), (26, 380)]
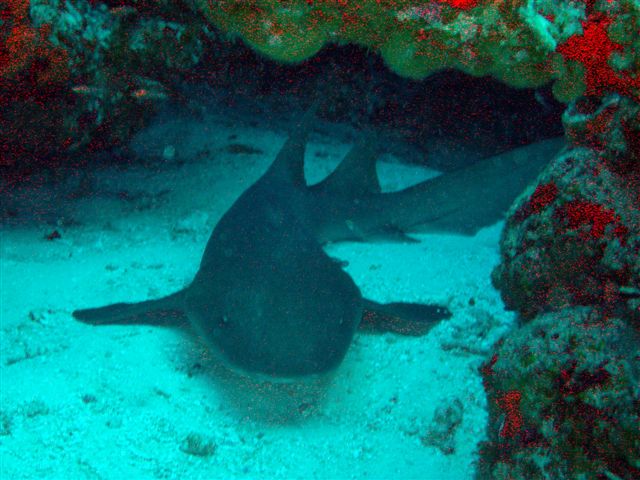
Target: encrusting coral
[(573, 238), (563, 389), (116, 56), (589, 47), (564, 393), (83, 75)]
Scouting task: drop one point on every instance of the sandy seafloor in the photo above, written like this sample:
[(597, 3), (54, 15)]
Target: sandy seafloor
[(133, 402)]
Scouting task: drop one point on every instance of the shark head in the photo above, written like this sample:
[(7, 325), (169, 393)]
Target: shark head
[(267, 298)]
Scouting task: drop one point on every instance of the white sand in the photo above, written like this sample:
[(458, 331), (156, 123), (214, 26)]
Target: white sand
[(118, 402)]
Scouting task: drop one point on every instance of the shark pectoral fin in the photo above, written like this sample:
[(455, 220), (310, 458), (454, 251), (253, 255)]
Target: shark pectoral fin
[(412, 319), (166, 311)]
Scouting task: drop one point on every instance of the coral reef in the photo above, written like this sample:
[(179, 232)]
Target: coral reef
[(569, 241), (32, 76), (119, 57), (588, 47), (564, 399), (25, 52), (573, 239), (563, 388), (121, 60), (83, 75)]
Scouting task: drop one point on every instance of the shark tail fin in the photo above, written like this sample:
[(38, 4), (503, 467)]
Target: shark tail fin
[(165, 311), (356, 174), (411, 319)]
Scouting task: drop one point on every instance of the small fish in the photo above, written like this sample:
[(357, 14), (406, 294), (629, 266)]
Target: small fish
[(148, 94), (84, 89)]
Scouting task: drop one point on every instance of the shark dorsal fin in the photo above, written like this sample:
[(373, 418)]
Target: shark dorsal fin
[(356, 174), (289, 164)]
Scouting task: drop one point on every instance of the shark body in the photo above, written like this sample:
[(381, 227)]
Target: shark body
[(269, 301)]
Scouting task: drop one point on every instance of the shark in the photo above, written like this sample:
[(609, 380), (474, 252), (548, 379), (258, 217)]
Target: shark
[(270, 302)]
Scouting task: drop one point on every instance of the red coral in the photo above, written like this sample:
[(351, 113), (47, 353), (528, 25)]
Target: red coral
[(540, 198), (594, 123), (487, 370), (593, 49), (461, 4), (543, 196), (509, 403), (25, 51), (579, 212)]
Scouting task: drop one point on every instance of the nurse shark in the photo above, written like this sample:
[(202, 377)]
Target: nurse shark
[(270, 302)]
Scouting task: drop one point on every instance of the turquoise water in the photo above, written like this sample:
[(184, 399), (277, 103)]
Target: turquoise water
[(139, 401)]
